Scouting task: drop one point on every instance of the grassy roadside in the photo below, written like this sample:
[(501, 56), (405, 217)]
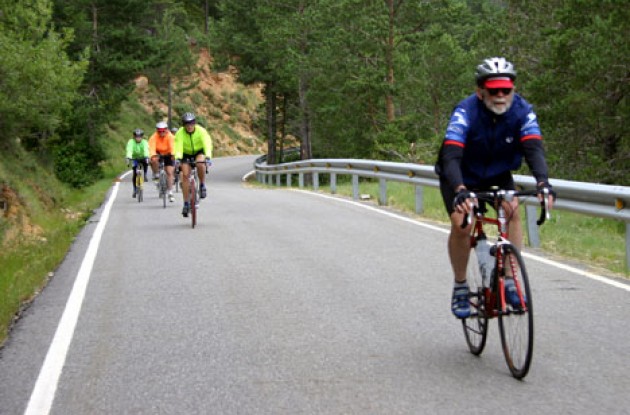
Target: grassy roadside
[(595, 243), (43, 219), (43, 215)]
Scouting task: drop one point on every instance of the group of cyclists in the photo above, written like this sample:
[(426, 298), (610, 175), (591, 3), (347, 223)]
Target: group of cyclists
[(175, 147), (489, 134)]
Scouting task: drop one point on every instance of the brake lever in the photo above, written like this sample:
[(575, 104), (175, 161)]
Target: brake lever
[(544, 211), (468, 218)]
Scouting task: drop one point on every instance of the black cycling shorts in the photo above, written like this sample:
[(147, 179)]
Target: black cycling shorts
[(186, 157), (168, 159), (504, 181)]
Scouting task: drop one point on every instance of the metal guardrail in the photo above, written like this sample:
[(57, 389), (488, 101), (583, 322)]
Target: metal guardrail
[(590, 199)]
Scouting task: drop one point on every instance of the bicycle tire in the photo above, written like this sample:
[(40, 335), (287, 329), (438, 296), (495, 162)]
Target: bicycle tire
[(193, 202), (139, 187), (476, 326), (516, 324), (163, 187)]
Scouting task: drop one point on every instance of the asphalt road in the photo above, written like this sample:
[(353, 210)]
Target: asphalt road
[(290, 302)]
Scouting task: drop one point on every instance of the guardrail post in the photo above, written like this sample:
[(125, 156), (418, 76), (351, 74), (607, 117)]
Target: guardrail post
[(288, 179), (531, 216), (333, 183), (278, 179), (301, 180), (355, 187), (382, 192), (315, 181), (419, 199), (627, 246)]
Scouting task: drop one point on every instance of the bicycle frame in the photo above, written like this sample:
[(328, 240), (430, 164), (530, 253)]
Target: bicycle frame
[(489, 300), (137, 167), (193, 188), (496, 290)]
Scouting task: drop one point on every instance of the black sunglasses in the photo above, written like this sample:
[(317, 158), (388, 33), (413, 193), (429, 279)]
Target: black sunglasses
[(495, 91)]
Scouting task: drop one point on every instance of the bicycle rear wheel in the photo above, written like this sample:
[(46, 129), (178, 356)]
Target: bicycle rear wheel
[(476, 326), (193, 202), (516, 323)]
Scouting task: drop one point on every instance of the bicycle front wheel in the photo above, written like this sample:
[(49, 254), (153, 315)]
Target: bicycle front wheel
[(139, 189), (163, 188), (193, 203), (516, 321), (475, 326)]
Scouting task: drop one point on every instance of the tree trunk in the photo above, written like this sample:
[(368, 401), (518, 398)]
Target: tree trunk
[(207, 11), (170, 101), (389, 58), (95, 28), (305, 125), (270, 104)]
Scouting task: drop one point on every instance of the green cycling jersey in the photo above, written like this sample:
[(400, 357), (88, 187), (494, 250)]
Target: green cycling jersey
[(192, 143), (137, 150)]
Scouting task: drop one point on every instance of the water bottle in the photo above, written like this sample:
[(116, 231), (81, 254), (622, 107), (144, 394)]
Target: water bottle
[(485, 260)]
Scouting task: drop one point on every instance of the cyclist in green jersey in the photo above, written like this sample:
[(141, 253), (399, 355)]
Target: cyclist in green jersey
[(138, 152), (192, 141)]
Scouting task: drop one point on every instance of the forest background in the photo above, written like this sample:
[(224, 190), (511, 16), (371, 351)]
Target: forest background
[(345, 78)]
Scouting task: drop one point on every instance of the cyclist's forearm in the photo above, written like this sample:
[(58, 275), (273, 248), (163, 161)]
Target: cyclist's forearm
[(451, 170), (535, 158)]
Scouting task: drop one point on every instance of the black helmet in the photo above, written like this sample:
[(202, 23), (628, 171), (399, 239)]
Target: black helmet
[(138, 132), (494, 68), (188, 117)]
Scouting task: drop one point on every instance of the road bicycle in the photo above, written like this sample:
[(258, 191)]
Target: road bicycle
[(162, 180), (193, 189), (487, 282), (176, 178), (138, 169)]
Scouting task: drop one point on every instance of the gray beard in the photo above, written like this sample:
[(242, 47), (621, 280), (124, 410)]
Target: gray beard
[(502, 111)]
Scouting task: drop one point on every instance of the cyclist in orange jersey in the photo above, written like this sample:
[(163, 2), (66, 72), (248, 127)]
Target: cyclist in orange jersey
[(161, 143)]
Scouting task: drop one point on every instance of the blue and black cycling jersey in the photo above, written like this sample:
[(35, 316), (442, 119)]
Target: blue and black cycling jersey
[(479, 145)]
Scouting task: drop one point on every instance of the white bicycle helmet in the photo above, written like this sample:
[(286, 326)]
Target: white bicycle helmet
[(494, 68)]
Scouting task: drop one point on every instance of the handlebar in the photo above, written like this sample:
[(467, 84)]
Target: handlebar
[(499, 196)]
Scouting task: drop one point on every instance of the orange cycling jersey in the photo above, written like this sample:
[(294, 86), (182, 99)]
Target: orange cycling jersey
[(161, 144)]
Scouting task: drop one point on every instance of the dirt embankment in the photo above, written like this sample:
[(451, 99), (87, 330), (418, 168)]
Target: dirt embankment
[(230, 108)]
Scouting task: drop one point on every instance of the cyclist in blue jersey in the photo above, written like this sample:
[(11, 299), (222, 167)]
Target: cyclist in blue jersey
[(487, 137)]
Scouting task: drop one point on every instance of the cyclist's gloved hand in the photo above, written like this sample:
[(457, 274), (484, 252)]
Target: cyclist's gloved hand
[(128, 161), (540, 188), (208, 162), (460, 197)]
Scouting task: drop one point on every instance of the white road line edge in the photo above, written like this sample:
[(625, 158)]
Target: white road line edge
[(43, 394), (569, 268)]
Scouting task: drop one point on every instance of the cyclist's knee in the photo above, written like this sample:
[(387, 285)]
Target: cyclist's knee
[(456, 226)]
